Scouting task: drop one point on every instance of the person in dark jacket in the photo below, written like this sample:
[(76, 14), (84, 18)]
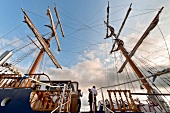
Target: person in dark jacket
[(79, 100), (90, 99)]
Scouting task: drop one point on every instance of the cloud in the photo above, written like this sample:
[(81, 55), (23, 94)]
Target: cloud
[(103, 46), (89, 69), (87, 73), (91, 55)]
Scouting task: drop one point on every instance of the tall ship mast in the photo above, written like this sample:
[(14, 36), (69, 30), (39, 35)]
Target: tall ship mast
[(131, 85), (151, 92), (37, 95)]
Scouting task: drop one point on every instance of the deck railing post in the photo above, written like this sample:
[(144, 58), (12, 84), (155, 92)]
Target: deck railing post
[(62, 98), (104, 105)]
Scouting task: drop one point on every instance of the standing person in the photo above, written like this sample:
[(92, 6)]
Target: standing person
[(90, 99), (79, 100), (94, 92), (93, 89), (107, 103)]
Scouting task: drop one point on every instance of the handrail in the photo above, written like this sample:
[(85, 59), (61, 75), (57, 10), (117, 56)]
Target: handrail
[(104, 104), (62, 98), (123, 95), (44, 83), (15, 78), (107, 108), (42, 74), (59, 106), (103, 99), (51, 100), (61, 101), (55, 109)]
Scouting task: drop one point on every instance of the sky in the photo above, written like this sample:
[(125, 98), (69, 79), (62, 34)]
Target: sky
[(84, 55)]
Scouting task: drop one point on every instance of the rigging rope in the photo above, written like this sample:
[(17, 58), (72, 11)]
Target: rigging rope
[(11, 31), (146, 9), (149, 43), (159, 89), (12, 43), (152, 62), (116, 70), (40, 68), (135, 75), (153, 69), (166, 83), (121, 59), (14, 51), (114, 67), (128, 76), (46, 34), (55, 22), (37, 14), (128, 17), (87, 26), (153, 83), (33, 61), (120, 5), (106, 68), (142, 70), (165, 42), (19, 59), (105, 17), (157, 81), (44, 63), (133, 16), (167, 78), (75, 58)]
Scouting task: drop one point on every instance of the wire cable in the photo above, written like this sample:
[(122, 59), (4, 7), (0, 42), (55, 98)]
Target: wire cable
[(12, 30), (165, 42)]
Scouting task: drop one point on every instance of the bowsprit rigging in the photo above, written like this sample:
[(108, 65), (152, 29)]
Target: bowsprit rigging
[(157, 100)]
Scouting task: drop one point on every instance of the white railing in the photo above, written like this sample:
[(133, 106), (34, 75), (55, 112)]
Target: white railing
[(59, 107), (62, 102), (106, 109), (62, 99)]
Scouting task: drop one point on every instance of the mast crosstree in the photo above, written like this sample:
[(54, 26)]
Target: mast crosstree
[(44, 42)]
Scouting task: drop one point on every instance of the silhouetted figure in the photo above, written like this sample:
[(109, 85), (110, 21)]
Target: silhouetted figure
[(94, 92), (79, 100), (90, 99)]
